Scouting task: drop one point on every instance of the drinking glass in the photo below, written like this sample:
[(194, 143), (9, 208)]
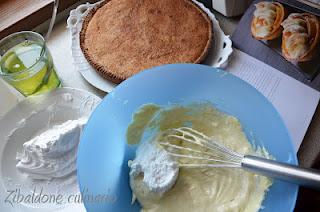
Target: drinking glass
[(26, 63)]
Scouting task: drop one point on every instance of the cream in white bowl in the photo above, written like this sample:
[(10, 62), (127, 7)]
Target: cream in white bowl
[(53, 153)]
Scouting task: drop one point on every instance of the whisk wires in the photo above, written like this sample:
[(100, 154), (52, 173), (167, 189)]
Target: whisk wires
[(196, 150)]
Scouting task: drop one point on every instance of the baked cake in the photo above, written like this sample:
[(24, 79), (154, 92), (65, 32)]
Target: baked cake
[(120, 38)]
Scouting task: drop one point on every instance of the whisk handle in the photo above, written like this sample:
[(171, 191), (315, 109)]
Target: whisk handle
[(282, 171)]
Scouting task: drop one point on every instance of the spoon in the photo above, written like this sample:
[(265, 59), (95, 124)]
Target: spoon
[(52, 21)]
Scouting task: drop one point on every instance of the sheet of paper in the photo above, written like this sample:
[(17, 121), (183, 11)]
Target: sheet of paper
[(295, 101)]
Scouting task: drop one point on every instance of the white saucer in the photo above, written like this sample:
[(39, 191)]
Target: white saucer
[(33, 115)]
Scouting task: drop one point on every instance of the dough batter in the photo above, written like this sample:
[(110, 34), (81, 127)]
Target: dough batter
[(206, 189)]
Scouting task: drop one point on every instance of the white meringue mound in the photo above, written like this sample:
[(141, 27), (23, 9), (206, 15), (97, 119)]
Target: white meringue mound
[(53, 153)]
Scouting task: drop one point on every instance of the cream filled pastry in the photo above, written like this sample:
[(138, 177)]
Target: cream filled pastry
[(53, 153), (300, 36), (203, 189), (266, 22)]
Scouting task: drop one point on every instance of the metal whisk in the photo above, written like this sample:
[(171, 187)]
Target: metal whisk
[(201, 151)]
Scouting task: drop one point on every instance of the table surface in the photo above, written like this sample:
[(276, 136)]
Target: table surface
[(60, 43)]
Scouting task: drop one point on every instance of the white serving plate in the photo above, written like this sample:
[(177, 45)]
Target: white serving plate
[(7, 98), (31, 116), (218, 55)]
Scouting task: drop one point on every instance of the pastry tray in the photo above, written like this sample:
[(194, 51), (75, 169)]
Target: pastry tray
[(311, 68)]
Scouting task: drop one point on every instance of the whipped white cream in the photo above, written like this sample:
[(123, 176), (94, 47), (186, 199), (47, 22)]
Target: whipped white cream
[(53, 153), (159, 169)]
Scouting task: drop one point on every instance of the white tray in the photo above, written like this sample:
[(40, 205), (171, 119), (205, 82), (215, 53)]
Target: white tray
[(218, 55)]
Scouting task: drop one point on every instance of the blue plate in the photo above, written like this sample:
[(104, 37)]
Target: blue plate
[(103, 152)]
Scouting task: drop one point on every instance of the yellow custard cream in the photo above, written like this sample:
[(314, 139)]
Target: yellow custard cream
[(160, 185)]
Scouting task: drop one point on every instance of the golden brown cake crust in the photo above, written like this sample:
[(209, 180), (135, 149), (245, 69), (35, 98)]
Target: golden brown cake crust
[(120, 38)]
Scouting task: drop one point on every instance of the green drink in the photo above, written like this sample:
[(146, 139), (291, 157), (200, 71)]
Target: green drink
[(26, 65)]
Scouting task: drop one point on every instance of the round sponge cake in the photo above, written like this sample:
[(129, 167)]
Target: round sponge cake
[(120, 38)]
